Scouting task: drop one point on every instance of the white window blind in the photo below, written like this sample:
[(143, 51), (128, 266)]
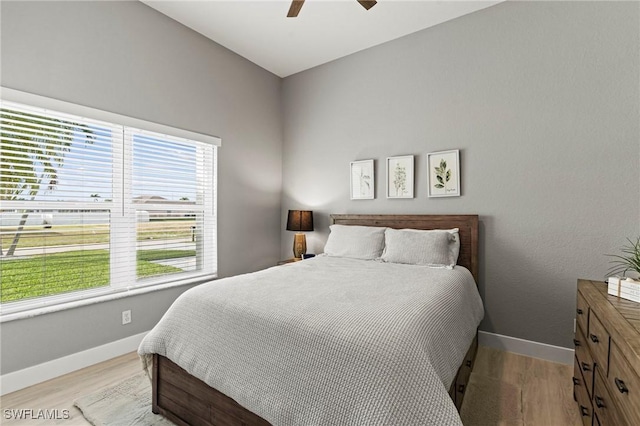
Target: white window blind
[(89, 206)]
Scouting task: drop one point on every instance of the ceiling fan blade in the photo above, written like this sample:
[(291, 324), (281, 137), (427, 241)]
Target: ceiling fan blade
[(367, 4), (296, 5)]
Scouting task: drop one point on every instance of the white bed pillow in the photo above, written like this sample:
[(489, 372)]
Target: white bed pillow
[(438, 248), (358, 242)]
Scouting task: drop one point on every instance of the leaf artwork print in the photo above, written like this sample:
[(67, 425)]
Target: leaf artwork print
[(442, 175), (400, 179)]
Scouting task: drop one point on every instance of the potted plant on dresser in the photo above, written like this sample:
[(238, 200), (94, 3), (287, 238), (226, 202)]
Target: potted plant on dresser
[(629, 261)]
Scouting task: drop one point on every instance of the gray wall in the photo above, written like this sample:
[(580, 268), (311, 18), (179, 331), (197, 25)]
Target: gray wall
[(126, 58), (542, 99)]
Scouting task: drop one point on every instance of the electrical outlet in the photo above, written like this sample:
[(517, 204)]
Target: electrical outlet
[(126, 317)]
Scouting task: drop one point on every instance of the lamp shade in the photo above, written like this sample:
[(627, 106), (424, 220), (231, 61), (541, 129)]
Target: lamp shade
[(300, 220)]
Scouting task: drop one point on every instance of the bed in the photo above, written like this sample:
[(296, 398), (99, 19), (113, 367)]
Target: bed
[(296, 344)]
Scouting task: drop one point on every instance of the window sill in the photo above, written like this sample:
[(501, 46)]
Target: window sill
[(105, 295)]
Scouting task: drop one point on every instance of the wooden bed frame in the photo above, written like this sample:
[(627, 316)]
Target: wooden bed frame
[(186, 400)]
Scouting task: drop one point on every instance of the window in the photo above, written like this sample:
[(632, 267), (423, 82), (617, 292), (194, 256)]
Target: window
[(90, 207)]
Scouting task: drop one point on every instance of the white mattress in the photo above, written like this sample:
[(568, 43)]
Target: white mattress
[(328, 341)]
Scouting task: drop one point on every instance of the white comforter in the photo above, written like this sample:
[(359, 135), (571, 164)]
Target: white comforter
[(328, 341)]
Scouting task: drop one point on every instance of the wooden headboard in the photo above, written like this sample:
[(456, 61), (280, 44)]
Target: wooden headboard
[(468, 225)]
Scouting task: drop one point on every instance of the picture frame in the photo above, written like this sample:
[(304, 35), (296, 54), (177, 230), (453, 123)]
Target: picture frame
[(443, 177), (362, 180), (400, 177)]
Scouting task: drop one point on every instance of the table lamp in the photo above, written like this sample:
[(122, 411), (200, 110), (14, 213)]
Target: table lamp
[(300, 221)]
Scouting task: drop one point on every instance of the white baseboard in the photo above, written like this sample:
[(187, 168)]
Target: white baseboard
[(21, 379), (29, 376), (526, 347)]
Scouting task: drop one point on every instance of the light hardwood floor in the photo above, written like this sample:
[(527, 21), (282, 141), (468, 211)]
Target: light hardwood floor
[(547, 391), (547, 388), (59, 393)]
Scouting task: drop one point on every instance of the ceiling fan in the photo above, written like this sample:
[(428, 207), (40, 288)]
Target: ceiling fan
[(296, 5)]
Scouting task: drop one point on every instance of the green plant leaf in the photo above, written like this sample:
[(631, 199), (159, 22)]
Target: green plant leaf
[(628, 261)]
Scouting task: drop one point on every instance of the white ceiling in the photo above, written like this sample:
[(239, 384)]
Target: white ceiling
[(323, 31)]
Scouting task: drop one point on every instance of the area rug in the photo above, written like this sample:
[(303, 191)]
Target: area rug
[(489, 401), (126, 404)]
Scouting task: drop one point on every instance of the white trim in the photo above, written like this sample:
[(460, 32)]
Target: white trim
[(526, 347), (30, 376), (82, 300), (17, 96), (122, 211)]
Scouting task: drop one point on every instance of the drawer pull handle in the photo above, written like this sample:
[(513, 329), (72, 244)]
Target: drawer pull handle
[(594, 338), (586, 367), (579, 311), (599, 402), (576, 342), (576, 381), (461, 388), (584, 411), (621, 386)]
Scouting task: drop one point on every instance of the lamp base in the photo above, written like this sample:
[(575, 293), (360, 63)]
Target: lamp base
[(299, 245)]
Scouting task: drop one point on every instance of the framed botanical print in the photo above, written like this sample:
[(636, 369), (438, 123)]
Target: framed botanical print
[(362, 180), (443, 179), (400, 177)]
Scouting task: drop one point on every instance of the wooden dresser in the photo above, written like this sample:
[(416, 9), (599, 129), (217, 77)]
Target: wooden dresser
[(607, 357)]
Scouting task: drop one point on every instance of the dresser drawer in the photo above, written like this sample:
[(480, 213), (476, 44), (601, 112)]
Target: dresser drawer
[(582, 397), (596, 421), (609, 362), (582, 312), (584, 360), (603, 404), (624, 385), (598, 341)]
